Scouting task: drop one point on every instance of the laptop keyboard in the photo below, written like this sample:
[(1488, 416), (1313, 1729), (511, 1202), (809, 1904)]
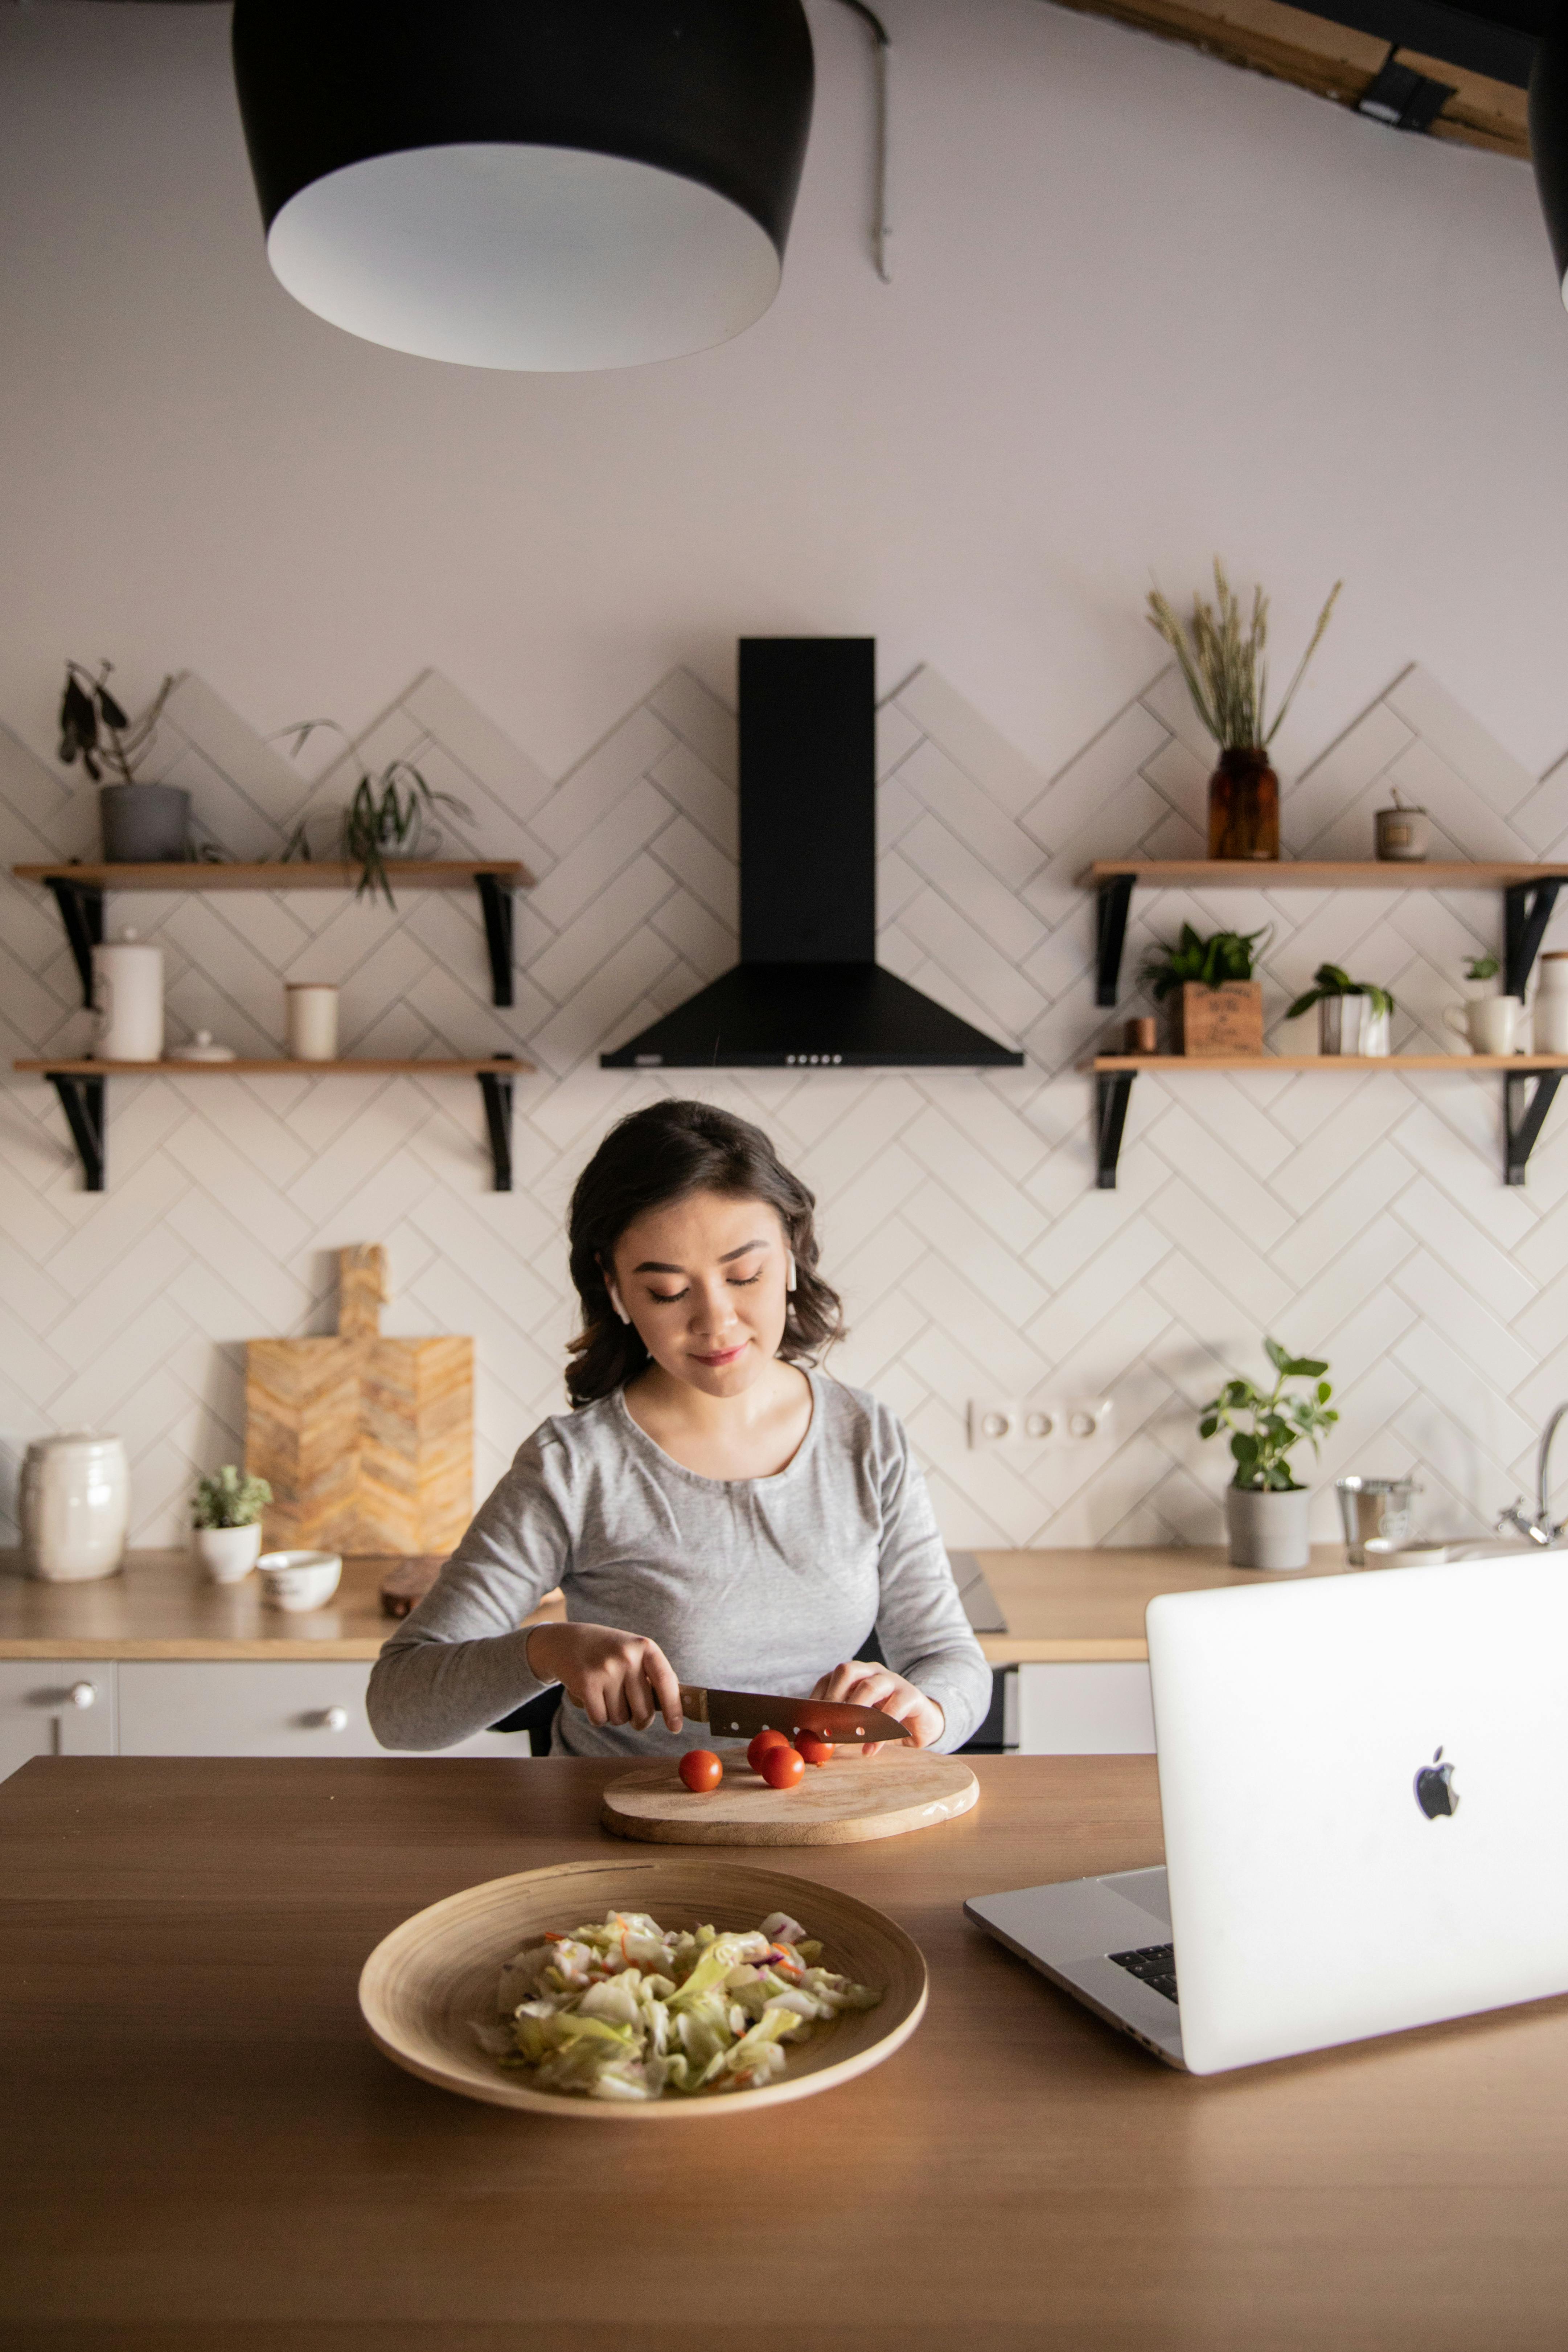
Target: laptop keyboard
[(1151, 1964)]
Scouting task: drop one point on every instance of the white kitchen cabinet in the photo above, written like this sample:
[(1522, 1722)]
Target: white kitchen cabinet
[(55, 1707), (1094, 1709), (258, 1708)]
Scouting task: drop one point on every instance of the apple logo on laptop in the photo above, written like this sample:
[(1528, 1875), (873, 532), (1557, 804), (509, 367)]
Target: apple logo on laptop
[(1435, 1791)]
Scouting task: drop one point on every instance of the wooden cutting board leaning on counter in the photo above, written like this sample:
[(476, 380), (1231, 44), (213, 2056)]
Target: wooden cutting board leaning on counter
[(366, 1442)]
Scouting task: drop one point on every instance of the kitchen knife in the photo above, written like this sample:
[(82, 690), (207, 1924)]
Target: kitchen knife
[(740, 1715)]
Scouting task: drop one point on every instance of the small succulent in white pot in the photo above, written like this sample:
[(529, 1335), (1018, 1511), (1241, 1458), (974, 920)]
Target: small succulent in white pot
[(226, 1523), (1265, 1510)]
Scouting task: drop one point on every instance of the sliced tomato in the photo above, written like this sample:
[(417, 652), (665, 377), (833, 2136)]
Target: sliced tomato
[(782, 1767), (761, 1744), (701, 1771), (814, 1750)]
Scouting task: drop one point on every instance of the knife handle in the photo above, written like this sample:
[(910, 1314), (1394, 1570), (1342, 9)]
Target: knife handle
[(694, 1702)]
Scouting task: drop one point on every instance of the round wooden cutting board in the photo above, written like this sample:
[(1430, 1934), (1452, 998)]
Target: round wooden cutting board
[(841, 1803)]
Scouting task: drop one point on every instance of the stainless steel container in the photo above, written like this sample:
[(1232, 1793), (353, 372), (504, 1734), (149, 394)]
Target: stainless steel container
[(1374, 1507)]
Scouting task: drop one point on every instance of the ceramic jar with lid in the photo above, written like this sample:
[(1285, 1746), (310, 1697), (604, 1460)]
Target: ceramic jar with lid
[(1551, 1004), (76, 1506), (128, 997)]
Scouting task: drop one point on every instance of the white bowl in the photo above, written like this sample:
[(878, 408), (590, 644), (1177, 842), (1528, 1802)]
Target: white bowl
[(299, 1579)]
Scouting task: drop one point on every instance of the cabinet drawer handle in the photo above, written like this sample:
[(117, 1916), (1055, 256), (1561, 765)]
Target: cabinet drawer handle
[(336, 1719), (84, 1694)]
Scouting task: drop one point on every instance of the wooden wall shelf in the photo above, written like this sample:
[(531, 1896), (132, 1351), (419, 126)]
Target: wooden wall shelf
[(79, 893), (1522, 1120), (1530, 893), (80, 1085)]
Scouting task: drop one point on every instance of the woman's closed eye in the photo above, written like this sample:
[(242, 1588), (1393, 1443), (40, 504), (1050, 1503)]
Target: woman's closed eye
[(673, 1297)]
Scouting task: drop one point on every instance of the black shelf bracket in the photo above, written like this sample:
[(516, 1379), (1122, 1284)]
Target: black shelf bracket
[(1112, 1092), (495, 1088), (1522, 1122), (1112, 900), (495, 902), (81, 912), (1527, 910), (82, 1100)]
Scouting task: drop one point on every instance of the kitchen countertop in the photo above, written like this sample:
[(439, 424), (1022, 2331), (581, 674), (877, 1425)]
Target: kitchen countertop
[(203, 2146), (1060, 1606)]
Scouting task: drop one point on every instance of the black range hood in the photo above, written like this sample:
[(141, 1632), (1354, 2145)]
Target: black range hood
[(808, 992)]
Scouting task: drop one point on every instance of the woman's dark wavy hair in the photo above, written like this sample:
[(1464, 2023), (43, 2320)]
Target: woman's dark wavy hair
[(652, 1158)]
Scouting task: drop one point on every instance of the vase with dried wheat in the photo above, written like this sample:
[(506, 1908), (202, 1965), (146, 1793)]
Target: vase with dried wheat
[(1223, 663)]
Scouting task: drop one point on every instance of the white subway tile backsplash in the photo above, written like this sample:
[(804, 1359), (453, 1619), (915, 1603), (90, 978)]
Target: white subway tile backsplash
[(1362, 1217)]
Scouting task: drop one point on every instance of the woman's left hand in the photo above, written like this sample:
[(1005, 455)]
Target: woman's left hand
[(860, 1684)]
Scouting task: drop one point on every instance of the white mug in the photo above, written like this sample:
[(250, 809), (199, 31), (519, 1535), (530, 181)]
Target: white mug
[(1552, 1004), (128, 997), (1489, 1025), (312, 1020)]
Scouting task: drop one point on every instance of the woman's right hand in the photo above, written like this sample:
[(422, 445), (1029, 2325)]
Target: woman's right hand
[(613, 1677)]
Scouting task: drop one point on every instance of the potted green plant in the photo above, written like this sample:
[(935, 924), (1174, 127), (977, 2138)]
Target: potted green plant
[(1352, 1015), (1215, 1003), (226, 1523), (1227, 678), (389, 816), (142, 824), (1266, 1511)]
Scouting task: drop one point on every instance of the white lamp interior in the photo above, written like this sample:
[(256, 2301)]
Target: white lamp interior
[(522, 257)]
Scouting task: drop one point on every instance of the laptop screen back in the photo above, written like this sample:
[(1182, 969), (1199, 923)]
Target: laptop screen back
[(1364, 1783)]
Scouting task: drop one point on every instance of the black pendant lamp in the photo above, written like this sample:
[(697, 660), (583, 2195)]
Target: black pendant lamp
[(528, 184), (1549, 138)]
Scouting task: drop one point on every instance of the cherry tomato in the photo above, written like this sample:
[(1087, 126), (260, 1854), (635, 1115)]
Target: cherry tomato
[(783, 1768), (701, 1771), (761, 1744), (814, 1750)]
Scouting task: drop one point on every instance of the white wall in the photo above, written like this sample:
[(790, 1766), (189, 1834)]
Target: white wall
[(1144, 307)]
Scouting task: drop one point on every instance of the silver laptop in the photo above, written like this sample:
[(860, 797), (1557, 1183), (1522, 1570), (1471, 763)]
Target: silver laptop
[(1365, 1784)]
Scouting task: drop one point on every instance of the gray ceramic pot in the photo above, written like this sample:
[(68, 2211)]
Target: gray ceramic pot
[(144, 825), (1268, 1529)]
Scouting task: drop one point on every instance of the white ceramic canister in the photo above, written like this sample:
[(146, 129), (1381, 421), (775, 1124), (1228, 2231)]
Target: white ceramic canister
[(76, 1506), (312, 1020), (128, 997), (1551, 1004)]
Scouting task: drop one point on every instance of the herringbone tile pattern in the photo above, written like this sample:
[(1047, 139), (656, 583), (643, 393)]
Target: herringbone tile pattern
[(1364, 1217)]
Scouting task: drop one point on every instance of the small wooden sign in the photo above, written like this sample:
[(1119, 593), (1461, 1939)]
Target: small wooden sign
[(1223, 1019)]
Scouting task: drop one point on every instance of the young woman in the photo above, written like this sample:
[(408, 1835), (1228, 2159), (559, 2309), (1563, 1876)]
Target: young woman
[(716, 1510)]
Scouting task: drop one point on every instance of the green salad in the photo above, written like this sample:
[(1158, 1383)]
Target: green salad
[(629, 2010)]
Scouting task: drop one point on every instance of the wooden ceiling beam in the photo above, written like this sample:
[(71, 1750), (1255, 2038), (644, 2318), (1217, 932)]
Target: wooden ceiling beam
[(1330, 61)]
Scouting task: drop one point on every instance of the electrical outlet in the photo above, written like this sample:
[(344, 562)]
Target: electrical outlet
[(993, 1422), (1072, 1420)]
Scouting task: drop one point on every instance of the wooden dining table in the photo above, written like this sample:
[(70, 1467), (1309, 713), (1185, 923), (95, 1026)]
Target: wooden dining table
[(201, 2147)]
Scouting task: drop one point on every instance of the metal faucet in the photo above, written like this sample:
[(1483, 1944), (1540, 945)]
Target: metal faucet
[(1542, 1528)]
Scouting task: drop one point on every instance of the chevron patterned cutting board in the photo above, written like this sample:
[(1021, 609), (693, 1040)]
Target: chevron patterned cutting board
[(367, 1442)]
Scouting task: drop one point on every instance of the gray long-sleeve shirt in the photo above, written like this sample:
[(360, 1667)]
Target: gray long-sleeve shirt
[(746, 1583)]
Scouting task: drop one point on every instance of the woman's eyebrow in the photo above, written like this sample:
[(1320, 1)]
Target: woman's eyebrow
[(656, 1265)]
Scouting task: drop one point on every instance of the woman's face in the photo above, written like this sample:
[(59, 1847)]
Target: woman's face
[(703, 1279)]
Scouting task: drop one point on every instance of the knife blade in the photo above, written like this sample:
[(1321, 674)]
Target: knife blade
[(740, 1715)]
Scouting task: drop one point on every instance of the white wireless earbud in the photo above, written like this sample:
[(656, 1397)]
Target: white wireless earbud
[(789, 1278), (615, 1302)]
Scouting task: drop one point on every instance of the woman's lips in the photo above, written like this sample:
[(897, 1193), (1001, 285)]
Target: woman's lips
[(717, 1363)]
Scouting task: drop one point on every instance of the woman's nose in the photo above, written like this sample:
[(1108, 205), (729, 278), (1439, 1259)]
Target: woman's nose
[(712, 1309)]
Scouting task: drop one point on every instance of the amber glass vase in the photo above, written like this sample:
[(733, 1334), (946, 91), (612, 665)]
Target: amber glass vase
[(1244, 806)]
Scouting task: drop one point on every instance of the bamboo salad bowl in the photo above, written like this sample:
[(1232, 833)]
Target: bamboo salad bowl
[(432, 1979)]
